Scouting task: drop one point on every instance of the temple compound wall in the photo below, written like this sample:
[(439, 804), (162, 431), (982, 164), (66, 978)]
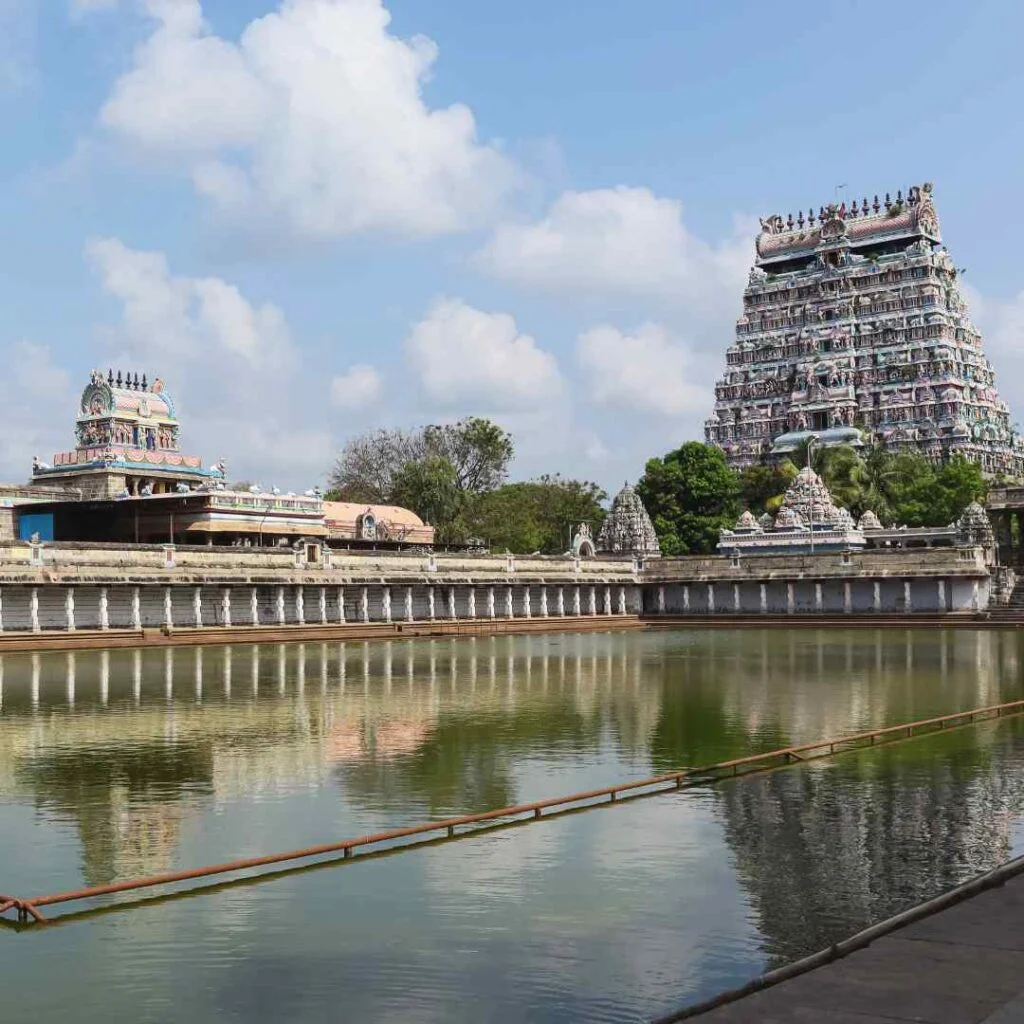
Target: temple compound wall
[(68, 587), (932, 581)]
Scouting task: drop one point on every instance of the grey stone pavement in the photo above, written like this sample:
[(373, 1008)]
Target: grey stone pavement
[(963, 965)]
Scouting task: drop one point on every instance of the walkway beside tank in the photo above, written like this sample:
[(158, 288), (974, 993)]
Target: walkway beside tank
[(960, 965)]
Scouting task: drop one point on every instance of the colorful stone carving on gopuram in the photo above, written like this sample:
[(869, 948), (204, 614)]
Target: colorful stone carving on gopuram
[(854, 330)]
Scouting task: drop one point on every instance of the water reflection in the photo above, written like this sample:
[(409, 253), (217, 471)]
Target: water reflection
[(134, 762), (829, 849)]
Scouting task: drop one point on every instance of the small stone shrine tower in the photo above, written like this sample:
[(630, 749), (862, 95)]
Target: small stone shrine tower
[(627, 529), (126, 443)]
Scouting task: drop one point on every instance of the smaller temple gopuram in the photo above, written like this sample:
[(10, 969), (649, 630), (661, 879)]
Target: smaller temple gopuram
[(854, 330), (627, 529), (127, 443)]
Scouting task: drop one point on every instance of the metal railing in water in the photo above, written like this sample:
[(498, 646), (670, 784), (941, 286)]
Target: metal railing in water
[(473, 824)]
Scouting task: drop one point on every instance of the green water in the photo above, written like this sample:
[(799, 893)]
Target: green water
[(119, 764)]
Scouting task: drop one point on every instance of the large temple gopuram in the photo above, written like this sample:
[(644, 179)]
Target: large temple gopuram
[(854, 330)]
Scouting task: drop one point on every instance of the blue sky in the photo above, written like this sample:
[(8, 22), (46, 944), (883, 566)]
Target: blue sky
[(315, 217)]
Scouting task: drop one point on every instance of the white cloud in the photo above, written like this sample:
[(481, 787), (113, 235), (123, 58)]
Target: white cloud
[(466, 357), (623, 241), (1002, 325), (645, 371), (314, 119), (39, 403), (357, 388), (231, 366)]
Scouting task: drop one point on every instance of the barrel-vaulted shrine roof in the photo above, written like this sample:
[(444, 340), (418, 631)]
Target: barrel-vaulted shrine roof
[(858, 224), (126, 397)]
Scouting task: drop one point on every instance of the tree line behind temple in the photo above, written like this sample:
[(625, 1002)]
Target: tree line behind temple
[(455, 477)]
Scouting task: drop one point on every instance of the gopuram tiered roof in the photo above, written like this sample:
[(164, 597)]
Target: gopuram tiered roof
[(854, 330)]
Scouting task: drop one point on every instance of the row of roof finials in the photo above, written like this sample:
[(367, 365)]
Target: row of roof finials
[(865, 209), (132, 383)]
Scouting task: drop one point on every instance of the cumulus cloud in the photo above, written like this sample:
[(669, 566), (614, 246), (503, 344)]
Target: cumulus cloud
[(34, 394), (646, 371), (314, 118), (1001, 322), (623, 241), (357, 388), (231, 365), (468, 358)]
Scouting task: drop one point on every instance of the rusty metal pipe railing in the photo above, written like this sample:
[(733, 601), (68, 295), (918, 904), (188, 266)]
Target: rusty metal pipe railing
[(684, 777)]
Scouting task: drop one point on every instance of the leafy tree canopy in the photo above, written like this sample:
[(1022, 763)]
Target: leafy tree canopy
[(430, 487), (691, 494), (537, 515), (762, 487)]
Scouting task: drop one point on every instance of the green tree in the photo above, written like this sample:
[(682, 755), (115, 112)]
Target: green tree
[(430, 487), (436, 470), (365, 468), (762, 487), (691, 494), (906, 488), (479, 451), (845, 474), (536, 515)]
